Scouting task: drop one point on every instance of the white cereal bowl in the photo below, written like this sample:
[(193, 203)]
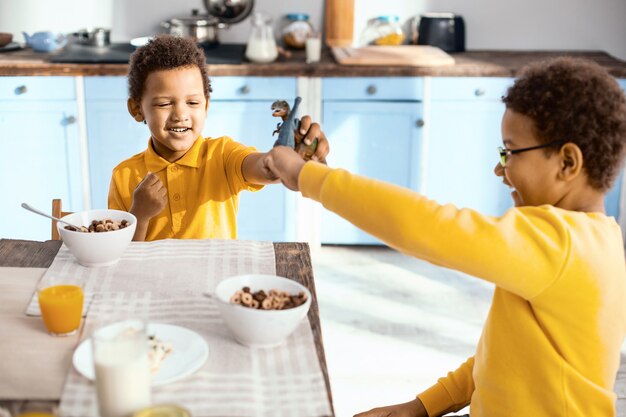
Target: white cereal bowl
[(97, 249), (260, 328)]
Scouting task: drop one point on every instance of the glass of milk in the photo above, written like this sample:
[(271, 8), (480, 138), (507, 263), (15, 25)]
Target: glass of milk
[(120, 355), (313, 46)]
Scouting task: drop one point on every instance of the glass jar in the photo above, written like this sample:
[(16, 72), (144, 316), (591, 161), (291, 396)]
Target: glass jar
[(261, 45), (383, 30), (297, 30)]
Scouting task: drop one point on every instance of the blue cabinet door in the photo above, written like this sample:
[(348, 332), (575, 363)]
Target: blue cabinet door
[(612, 200), (376, 139), (42, 161), (463, 132), (113, 135), (241, 108), (268, 214)]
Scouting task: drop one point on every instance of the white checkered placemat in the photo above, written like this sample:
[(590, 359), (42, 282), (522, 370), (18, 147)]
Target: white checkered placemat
[(190, 266), (163, 282), (235, 380)]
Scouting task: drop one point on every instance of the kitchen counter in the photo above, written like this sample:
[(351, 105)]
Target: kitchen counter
[(468, 64)]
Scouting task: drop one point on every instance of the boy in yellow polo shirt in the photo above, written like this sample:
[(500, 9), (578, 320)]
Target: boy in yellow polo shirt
[(183, 185), (551, 344)]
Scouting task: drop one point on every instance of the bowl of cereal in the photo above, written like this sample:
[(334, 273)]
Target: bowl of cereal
[(103, 237), (262, 310)]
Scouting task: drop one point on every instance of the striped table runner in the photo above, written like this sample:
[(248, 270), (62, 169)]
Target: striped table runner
[(163, 282)]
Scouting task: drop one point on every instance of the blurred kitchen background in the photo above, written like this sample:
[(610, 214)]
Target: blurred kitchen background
[(491, 24)]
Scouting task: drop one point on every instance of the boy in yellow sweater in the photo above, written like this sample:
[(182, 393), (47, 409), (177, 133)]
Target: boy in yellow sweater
[(183, 185), (551, 344)]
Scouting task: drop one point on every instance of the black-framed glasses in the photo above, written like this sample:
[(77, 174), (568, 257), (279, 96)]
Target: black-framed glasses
[(505, 153)]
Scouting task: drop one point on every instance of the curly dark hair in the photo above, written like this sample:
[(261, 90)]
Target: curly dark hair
[(577, 101), (165, 52)]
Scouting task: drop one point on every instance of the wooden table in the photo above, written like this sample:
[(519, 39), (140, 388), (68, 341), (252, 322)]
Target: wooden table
[(293, 261)]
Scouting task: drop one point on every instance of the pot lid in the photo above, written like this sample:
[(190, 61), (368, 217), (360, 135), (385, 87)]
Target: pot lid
[(196, 19), (439, 15)]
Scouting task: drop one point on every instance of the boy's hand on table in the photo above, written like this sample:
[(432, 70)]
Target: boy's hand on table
[(311, 131), (285, 164), (149, 198), (413, 408)]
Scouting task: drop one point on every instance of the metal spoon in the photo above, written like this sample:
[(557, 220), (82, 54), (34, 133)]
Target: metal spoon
[(41, 213)]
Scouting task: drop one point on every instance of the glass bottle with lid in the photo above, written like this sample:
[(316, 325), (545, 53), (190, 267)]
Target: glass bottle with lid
[(383, 30), (297, 30)]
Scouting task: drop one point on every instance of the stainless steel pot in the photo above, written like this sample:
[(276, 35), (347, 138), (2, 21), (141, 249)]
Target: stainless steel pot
[(201, 27), (229, 11), (204, 27), (93, 36)]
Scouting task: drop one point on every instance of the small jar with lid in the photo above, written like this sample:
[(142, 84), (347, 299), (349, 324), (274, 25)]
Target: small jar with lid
[(383, 30), (297, 30)]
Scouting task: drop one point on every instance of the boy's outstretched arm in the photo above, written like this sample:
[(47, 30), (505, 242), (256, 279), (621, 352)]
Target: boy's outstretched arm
[(413, 408), (285, 164), (254, 168), (450, 393), (149, 199)]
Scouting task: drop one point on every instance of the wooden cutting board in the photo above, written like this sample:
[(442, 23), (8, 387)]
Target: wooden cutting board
[(401, 55)]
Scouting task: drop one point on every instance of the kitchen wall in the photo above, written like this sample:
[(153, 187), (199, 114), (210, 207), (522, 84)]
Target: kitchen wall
[(491, 24), (59, 15), (141, 17)]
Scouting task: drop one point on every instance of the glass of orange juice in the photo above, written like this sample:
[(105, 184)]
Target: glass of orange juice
[(61, 303)]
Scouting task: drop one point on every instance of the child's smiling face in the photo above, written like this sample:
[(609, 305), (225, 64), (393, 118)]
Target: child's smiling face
[(532, 174), (175, 108)]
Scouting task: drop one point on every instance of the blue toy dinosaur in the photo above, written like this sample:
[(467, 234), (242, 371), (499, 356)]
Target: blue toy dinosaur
[(288, 134), (286, 130)]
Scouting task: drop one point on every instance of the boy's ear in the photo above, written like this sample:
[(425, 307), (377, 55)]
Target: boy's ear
[(134, 109), (571, 161)]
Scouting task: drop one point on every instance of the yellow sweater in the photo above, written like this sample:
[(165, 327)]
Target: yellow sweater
[(551, 343)]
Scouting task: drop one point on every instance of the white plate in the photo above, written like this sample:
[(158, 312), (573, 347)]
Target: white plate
[(189, 352)]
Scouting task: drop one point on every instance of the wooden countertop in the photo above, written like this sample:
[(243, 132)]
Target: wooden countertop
[(468, 64)]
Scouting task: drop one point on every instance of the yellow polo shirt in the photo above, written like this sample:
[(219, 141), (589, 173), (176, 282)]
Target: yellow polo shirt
[(202, 189)]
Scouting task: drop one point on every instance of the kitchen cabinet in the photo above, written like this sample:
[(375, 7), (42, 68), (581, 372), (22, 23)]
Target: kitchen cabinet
[(42, 152), (462, 132), (113, 135), (612, 200), (435, 135), (240, 107), (375, 128), (463, 119)]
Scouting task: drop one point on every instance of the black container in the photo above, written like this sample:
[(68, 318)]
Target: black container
[(444, 30)]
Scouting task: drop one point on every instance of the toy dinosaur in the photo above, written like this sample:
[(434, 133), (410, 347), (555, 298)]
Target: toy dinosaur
[(288, 130)]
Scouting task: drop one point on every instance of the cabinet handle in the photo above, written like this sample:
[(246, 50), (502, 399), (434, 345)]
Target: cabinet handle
[(244, 90), (479, 92), (419, 123), (69, 120), (21, 90), (371, 90)]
